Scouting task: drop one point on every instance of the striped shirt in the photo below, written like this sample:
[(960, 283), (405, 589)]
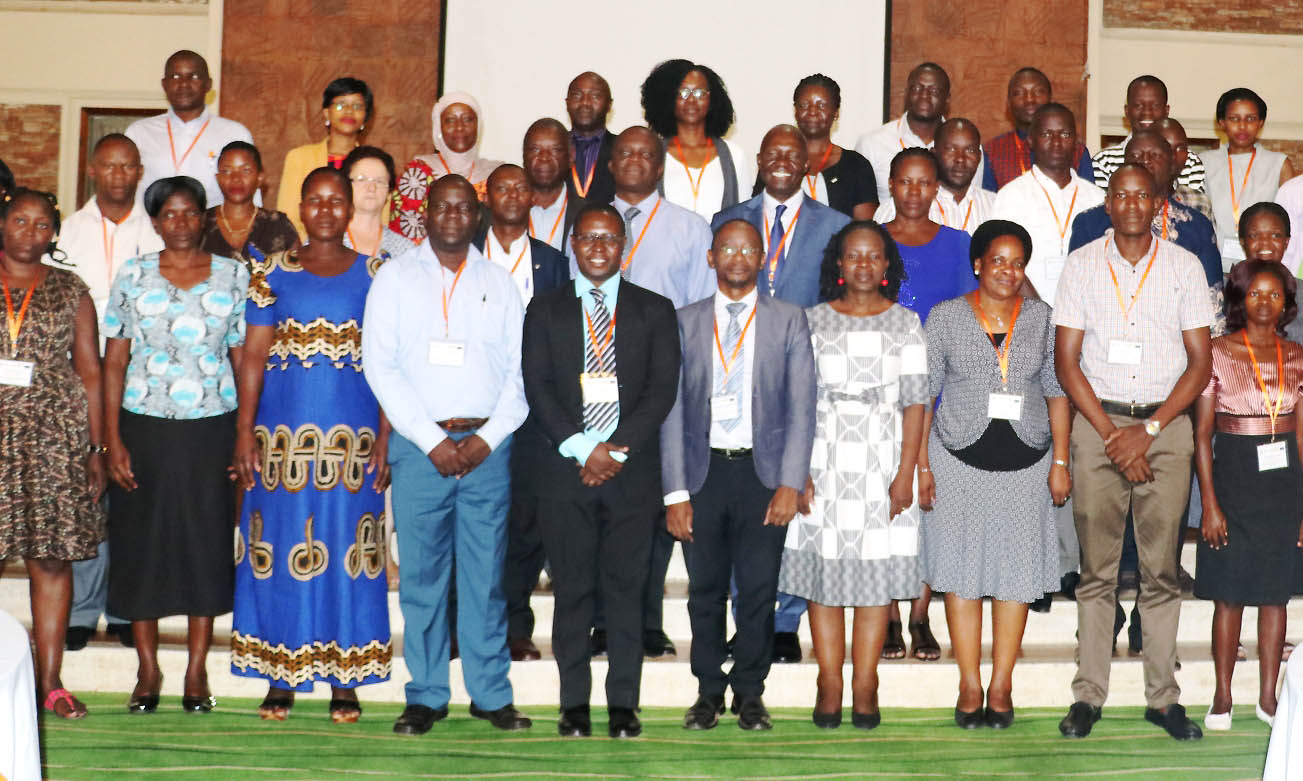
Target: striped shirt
[(1174, 299), (1234, 385), (1108, 160)]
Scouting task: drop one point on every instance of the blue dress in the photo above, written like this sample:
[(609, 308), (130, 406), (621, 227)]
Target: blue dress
[(936, 271), (311, 597)]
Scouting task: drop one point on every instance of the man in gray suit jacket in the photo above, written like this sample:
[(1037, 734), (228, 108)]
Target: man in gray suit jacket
[(735, 455)]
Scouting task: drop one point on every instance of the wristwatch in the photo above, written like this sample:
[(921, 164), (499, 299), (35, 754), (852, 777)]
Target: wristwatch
[(1152, 427)]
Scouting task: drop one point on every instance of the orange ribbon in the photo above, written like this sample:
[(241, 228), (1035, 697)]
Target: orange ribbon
[(772, 256), (447, 293), (380, 235), (1244, 185), (488, 246), (599, 347), (731, 363), (582, 190), (16, 323), (1272, 412), (683, 158), (1001, 355), (1126, 308), (1067, 220), (556, 224), (634, 249), (968, 214), (176, 164), (812, 178)]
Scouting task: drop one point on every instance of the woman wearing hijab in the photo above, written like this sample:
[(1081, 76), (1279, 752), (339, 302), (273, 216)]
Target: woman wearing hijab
[(456, 125)]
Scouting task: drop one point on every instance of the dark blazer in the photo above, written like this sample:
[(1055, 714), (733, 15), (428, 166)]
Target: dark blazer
[(798, 277), (574, 205), (782, 398), (602, 190), (647, 359), (551, 268)]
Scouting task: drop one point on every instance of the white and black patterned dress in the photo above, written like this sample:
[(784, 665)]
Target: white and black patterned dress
[(991, 532), (848, 551)]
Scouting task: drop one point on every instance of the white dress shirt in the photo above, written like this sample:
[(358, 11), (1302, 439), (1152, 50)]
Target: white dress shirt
[(1290, 196), (97, 247), (770, 206), (710, 195), (964, 215), (548, 224), (1037, 203), (404, 317), (882, 144), (163, 156), (518, 260)]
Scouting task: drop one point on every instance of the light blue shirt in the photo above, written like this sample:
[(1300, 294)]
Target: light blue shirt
[(404, 316), (580, 446), (671, 260)]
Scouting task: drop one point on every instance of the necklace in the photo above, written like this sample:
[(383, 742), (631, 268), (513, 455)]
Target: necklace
[(226, 226)]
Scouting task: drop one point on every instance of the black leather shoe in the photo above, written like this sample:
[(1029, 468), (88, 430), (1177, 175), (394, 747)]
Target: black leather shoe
[(655, 644), (1042, 605), (705, 712), (752, 713), (831, 720), (787, 648), (1068, 585), (969, 719), (77, 637), (1081, 717), (122, 632), (623, 723), (865, 720), (728, 647), (1135, 636), (1174, 721), (597, 643), (575, 723), (146, 703), (203, 704), (417, 719), (999, 719), (504, 718)]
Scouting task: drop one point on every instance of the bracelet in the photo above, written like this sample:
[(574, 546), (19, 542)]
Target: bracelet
[(1059, 462), (98, 449), (924, 469)]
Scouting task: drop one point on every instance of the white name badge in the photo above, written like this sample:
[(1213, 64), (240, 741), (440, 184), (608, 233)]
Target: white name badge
[(445, 353), (1004, 406), (1232, 250), (726, 406), (1272, 455), (599, 388), (1124, 353), (17, 373)]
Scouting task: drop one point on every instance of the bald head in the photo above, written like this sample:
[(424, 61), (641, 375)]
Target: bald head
[(588, 101), (546, 155), (958, 150), (783, 160), (1150, 149), (637, 162), (1174, 132)]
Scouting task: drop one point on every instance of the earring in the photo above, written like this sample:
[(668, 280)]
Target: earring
[(840, 281), (884, 281), (977, 272)]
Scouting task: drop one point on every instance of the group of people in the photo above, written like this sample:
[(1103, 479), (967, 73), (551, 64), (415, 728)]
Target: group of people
[(859, 377)]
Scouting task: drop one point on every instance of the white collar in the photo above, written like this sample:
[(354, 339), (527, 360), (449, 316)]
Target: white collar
[(770, 203), (722, 301), (198, 121), (511, 252)]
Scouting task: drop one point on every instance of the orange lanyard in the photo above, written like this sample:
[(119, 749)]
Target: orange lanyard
[(633, 250), (696, 186), (109, 241), (556, 224), (379, 238), (1244, 184), (176, 164), (447, 293), (488, 246), (582, 189), (967, 214), (599, 347), (1126, 308), (900, 122), (728, 365), (448, 170), (1272, 412), (812, 179), (16, 323), (772, 255), (1165, 205), (1067, 219), (1001, 355), (1020, 147)]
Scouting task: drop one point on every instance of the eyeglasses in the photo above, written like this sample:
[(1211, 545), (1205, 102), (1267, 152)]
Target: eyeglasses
[(338, 107), (177, 78), (370, 181), (747, 252), (598, 238), (693, 92)]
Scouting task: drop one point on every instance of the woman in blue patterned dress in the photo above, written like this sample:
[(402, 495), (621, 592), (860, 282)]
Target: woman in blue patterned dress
[(175, 329), (311, 445)]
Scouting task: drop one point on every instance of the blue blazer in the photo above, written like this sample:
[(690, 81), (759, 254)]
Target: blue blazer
[(782, 398), (798, 277), (551, 268)]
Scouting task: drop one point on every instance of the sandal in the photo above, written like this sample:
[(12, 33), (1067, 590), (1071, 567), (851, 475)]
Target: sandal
[(275, 707), (926, 647), (345, 711), (76, 710), (894, 646)]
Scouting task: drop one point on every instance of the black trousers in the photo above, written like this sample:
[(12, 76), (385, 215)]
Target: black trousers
[(598, 543), (729, 536), (522, 565)]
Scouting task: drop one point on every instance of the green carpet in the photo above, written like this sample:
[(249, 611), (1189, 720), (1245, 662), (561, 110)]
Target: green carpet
[(231, 743)]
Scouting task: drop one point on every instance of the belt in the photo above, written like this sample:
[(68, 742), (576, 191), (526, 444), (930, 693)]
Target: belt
[(1130, 409), (461, 425), (731, 454), (1254, 425)]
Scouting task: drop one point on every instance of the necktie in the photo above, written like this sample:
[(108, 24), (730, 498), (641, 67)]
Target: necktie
[(629, 214), (732, 383), (776, 252), (597, 417)]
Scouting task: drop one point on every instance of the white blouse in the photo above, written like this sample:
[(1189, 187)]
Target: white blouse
[(710, 195)]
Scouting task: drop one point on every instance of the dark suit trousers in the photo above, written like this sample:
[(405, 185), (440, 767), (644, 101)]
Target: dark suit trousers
[(599, 542), (521, 568), (729, 537)]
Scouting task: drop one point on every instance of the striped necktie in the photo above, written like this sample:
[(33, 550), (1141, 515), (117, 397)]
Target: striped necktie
[(629, 215), (732, 382), (598, 416)]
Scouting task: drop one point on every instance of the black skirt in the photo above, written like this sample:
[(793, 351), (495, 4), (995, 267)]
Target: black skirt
[(171, 540), (1261, 560)]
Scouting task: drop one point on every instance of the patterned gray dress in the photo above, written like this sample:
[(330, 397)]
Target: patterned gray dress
[(991, 532), (848, 551)]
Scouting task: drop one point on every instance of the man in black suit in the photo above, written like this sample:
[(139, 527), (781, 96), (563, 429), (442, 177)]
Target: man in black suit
[(546, 157), (588, 101), (597, 396), (735, 457), (535, 268)]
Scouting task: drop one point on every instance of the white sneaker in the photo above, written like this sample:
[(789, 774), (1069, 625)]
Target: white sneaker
[(1217, 722), (1262, 715)]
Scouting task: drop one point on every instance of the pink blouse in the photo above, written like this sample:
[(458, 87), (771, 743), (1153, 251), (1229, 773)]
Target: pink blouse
[(1235, 387)]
